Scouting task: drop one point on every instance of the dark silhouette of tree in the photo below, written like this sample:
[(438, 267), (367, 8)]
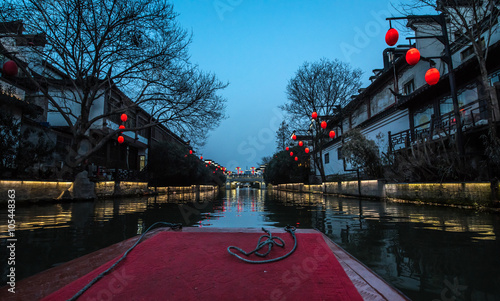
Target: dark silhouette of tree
[(322, 87), (95, 48), (283, 136)]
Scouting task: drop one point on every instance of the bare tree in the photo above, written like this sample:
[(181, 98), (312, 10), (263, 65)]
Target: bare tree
[(322, 87), (97, 47), (283, 136)]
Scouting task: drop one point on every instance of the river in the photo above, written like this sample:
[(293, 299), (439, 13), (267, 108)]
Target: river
[(428, 252)]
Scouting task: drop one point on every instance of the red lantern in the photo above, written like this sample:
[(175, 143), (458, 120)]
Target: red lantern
[(294, 137), (332, 134), (287, 148), (432, 76), (123, 117), (296, 159), (121, 127), (323, 124), (291, 154), (10, 68), (201, 157), (314, 115), (121, 139), (307, 150), (190, 151), (301, 143), (391, 37), (412, 56)]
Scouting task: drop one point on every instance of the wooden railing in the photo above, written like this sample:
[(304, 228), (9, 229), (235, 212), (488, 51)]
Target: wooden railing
[(472, 115)]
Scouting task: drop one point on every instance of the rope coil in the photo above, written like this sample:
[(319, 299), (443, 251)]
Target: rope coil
[(269, 242)]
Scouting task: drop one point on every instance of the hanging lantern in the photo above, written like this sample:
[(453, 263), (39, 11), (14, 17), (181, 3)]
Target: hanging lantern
[(323, 124), (301, 143), (201, 158), (10, 68), (123, 117), (314, 115), (412, 56), (121, 139), (332, 134), (291, 154), (296, 159), (287, 148), (432, 76), (121, 127), (391, 37), (294, 137), (307, 150), (190, 151)]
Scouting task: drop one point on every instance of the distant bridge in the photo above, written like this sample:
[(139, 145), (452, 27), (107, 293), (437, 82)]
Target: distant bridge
[(233, 180)]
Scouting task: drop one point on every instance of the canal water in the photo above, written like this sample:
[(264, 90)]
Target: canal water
[(428, 252)]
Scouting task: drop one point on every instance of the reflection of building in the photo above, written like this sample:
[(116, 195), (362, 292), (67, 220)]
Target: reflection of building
[(414, 112)]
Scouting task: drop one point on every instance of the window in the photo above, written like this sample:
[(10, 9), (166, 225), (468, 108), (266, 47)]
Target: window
[(142, 162), (327, 158), (339, 153), (469, 51), (422, 116), (409, 87)]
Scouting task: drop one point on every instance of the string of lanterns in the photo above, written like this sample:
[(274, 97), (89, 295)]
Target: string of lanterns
[(412, 57), (123, 118)]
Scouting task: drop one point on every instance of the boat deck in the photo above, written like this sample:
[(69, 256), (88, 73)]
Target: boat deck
[(304, 272)]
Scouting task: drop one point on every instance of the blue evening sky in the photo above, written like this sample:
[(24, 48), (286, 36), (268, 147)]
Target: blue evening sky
[(258, 45)]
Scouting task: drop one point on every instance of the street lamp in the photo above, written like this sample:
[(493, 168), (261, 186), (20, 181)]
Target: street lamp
[(443, 38)]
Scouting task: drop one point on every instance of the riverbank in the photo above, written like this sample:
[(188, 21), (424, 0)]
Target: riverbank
[(465, 194), (51, 191)]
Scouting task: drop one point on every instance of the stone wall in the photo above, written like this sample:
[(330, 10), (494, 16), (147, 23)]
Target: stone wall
[(468, 194), (471, 194), (33, 190)]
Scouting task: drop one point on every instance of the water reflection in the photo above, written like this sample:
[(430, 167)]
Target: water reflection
[(430, 253)]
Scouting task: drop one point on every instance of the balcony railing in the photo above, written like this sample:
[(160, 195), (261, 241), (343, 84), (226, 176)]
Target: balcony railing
[(472, 115)]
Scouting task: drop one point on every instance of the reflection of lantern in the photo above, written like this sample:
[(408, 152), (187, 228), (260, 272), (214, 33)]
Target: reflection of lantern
[(332, 134), (291, 154), (412, 56), (314, 115), (301, 143), (296, 159), (294, 137), (123, 117), (287, 148), (121, 139), (190, 151), (432, 76), (307, 150), (391, 37), (323, 124), (10, 68)]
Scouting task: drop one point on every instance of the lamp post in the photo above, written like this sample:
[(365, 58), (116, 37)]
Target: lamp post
[(441, 20)]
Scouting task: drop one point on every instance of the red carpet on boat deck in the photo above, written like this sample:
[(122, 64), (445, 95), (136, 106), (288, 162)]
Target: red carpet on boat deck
[(196, 266)]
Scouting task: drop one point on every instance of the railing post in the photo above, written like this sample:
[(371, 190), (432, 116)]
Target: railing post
[(390, 142)]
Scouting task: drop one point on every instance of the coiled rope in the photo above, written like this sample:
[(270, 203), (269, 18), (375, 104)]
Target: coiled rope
[(269, 242), (98, 277)]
